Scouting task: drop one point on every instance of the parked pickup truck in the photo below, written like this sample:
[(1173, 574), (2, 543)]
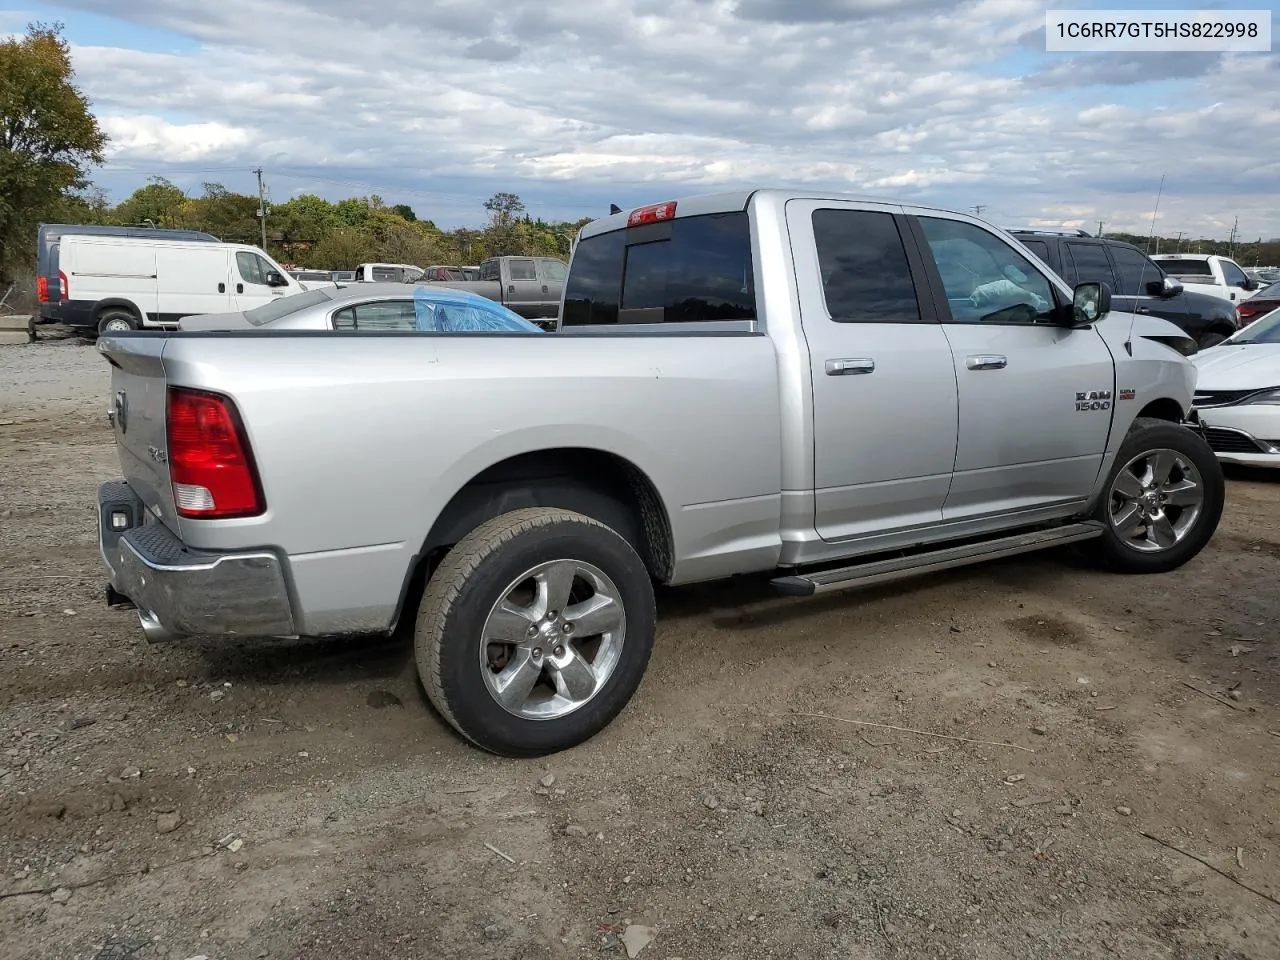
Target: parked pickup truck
[(1208, 273), (827, 391), (530, 286)]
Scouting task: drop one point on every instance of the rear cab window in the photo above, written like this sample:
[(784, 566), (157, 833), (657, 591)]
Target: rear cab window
[(1186, 268), (696, 269)]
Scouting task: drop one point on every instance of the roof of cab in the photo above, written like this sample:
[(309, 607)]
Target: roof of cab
[(704, 203)]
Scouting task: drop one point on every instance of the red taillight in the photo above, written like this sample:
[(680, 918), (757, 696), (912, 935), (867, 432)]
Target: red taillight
[(64, 289), (42, 289), (209, 463), (1250, 310), (652, 214)]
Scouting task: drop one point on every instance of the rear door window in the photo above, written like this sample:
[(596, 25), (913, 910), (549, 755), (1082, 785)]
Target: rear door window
[(866, 277), (687, 270), (377, 315), (1091, 264)]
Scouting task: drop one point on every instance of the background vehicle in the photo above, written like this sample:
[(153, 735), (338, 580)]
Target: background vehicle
[(1262, 302), (1264, 275), (444, 273), (343, 276), (365, 307), (117, 283), (387, 272), (834, 391), (311, 279), (1208, 273), (50, 290), (1138, 285), (531, 286), (1238, 394)]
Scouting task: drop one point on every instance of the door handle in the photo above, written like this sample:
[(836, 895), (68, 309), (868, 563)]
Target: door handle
[(1141, 309), (544, 288), (222, 288), (986, 361), (844, 368), (239, 288)]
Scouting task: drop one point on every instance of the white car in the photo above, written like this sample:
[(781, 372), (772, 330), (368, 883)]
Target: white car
[(1238, 394)]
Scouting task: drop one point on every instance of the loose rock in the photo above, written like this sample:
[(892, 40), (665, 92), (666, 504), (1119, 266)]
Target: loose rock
[(1124, 811), (61, 895), (710, 802), (1039, 731), (168, 822), (573, 830), (548, 780)]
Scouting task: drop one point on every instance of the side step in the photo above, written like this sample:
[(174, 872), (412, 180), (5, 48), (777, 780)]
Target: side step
[(897, 568)]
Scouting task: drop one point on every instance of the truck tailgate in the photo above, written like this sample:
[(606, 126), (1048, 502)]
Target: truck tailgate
[(137, 406)]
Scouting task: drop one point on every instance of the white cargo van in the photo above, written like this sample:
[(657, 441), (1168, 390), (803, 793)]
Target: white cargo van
[(127, 283)]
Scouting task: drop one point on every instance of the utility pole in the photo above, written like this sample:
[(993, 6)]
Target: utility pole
[(1178, 246), (1099, 228), (262, 207), (1231, 250), (978, 208)]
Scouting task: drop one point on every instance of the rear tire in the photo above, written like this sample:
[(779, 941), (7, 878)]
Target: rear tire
[(1162, 501), (497, 639), (116, 320)]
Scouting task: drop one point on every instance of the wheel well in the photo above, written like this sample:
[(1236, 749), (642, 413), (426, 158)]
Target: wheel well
[(102, 306), (1163, 409), (600, 485)]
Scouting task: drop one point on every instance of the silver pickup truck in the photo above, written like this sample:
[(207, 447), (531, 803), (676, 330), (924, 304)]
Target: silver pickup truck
[(828, 391)]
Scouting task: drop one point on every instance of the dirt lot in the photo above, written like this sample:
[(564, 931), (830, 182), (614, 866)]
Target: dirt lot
[(300, 800)]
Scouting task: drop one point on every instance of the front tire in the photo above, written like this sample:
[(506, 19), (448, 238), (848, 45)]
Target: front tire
[(535, 631), (1162, 501), (1210, 339)]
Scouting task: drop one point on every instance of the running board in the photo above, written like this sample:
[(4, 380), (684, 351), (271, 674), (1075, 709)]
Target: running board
[(897, 568)]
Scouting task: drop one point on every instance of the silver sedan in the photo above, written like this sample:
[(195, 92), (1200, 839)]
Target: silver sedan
[(371, 307)]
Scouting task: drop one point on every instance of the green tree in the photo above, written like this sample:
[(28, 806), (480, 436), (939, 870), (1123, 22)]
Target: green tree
[(48, 138), (342, 249), (160, 203), (405, 212), (503, 236)]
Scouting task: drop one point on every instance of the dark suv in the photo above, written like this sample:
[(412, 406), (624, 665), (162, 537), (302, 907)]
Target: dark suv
[(1137, 284)]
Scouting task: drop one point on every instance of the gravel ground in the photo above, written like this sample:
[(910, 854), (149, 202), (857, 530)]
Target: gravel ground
[(300, 800)]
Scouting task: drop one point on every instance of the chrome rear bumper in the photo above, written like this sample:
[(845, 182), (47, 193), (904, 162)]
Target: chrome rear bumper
[(181, 591)]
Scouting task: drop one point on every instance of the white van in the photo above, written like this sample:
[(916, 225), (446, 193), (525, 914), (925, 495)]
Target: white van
[(126, 283), (388, 273)]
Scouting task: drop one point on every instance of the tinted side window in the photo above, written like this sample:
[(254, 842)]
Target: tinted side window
[(1092, 265), (693, 269), (1232, 274), (1038, 247), (379, 315), (1133, 271), (865, 274), (523, 270), (250, 267), (490, 270), (386, 273), (987, 281), (594, 283)]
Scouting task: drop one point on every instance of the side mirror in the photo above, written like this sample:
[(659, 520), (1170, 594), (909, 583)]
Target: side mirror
[(1164, 287), (1090, 302), (1249, 284), (275, 280)]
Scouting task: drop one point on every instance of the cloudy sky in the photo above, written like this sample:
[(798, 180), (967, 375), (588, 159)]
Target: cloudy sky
[(574, 104)]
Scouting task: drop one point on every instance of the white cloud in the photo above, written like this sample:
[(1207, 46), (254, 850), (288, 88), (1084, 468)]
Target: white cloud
[(917, 99)]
